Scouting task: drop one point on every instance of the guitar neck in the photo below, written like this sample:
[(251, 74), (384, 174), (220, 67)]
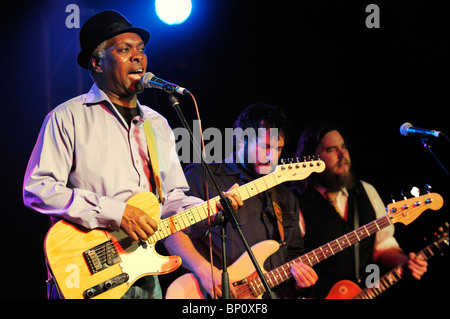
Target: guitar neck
[(193, 215), (392, 277), (283, 273)]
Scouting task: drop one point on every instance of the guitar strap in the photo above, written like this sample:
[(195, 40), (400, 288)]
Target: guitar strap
[(279, 215), (151, 144), (274, 209)]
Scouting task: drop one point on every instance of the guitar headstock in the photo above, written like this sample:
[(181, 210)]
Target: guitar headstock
[(406, 211), (297, 170)]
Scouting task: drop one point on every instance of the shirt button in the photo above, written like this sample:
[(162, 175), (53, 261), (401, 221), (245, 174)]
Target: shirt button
[(137, 161), (144, 186)]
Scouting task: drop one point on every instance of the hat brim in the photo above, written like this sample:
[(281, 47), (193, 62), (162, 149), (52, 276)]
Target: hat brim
[(85, 55)]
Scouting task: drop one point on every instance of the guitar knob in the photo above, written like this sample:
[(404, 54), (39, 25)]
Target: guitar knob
[(108, 284), (89, 293)]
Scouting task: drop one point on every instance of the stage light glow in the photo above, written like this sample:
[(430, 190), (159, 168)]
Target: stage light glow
[(173, 11)]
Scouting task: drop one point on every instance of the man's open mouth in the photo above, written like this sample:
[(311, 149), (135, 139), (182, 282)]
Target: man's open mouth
[(138, 71), (136, 74)]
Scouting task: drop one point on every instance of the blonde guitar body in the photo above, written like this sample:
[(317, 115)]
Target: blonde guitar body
[(83, 271), (188, 286), (100, 264)]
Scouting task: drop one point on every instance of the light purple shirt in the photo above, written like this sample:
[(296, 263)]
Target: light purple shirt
[(87, 162)]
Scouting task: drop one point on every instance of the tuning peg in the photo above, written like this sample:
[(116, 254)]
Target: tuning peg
[(392, 198), (427, 188), (404, 197), (297, 160), (304, 158), (283, 161)]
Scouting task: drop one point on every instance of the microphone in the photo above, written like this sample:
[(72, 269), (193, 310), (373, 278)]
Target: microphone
[(149, 80), (407, 129)]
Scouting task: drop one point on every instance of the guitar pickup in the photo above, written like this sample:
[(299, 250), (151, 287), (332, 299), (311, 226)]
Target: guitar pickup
[(101, 257)]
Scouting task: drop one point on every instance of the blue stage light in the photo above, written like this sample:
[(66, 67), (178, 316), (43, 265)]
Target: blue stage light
[(173, 11)]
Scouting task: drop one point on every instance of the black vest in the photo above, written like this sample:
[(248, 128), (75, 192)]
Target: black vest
[(323, 224)]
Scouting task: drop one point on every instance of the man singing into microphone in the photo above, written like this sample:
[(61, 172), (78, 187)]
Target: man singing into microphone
[(92, 153)]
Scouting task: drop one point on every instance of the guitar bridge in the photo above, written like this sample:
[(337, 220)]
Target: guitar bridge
[(101, 257)]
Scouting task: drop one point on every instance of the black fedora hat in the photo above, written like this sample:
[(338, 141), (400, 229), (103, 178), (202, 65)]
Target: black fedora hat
[(101, 27)]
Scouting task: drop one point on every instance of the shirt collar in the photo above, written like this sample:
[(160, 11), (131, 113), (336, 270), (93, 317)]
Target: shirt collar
[(322, 190), (98, 96)]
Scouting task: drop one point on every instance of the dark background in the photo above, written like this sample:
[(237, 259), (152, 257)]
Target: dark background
[(314, 59)]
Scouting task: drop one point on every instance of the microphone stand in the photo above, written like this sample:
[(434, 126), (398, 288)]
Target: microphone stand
[(428, 147), (230, 214)]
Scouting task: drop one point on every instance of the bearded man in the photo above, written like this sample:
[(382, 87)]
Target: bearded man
[(336, 202)]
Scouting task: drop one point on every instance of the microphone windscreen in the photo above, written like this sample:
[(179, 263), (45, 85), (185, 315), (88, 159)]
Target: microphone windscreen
[(145, 79), (404, 128)]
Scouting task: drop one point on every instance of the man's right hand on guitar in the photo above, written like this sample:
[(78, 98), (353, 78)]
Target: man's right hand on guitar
[(137, 224), (206, 281)]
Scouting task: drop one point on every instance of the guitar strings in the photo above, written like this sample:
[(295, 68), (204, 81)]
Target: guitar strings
[(334, 246)]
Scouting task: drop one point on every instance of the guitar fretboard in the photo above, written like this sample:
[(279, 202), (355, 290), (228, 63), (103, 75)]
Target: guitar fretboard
[(392, 277), (175, 223), (283, 272)]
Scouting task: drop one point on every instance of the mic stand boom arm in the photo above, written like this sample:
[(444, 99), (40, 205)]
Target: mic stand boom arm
[(230, 214)]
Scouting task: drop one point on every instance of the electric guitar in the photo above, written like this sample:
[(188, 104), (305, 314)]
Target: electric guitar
[(247, 283), (101, 264), (346, 289)]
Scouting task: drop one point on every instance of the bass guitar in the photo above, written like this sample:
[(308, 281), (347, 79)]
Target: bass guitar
[(100, 264), (248, 285)]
